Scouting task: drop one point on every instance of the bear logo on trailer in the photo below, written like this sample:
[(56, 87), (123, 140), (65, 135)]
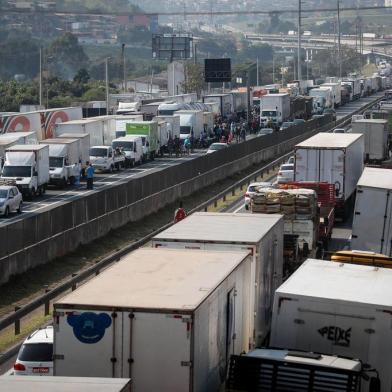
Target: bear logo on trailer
[(89, 327)]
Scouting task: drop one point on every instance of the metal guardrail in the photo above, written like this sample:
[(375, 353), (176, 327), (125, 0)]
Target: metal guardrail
[(94, 270)]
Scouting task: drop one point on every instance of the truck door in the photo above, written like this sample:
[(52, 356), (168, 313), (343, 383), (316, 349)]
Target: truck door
[(156, 351), (331, 169), (230, 324), (307, 165), (87, 344)]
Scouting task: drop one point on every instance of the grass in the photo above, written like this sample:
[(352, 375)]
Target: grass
[(8, 339)]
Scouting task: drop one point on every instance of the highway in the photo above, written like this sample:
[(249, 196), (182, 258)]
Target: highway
[(55, 196), (102, 180)]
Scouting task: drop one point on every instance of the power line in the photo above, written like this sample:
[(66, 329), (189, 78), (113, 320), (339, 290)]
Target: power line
[(182, 13)]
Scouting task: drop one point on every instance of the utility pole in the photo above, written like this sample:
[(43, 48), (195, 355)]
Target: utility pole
[(40, 76), (273, 68), (339, 45), (248, 96), (107, 83), (257, 71), (124, 68), (299, 73)]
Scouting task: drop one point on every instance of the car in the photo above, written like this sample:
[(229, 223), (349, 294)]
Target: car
[(330, 111), (35, 357), (216, 147), (265, 131), (291, 160), (286, 173), (252, 188), (298, 121), (339, 130), (11, 200), (285, 125)]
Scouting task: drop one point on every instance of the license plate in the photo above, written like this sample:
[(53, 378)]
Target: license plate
[(40, 370)]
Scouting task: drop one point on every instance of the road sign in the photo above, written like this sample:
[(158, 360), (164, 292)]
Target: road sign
[(172, 46)]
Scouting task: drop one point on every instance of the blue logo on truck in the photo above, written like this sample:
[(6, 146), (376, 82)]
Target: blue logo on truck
[(89, 327)]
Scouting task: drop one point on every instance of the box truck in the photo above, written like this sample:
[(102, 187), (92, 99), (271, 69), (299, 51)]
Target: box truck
[(337, 309), (225, 102), (240, 101), (191, 121), (173, 124), (334, 158), (28, 165), (132, 146), (64, 384), (372, 226), (64, 157), (148, 130), (260, 234), (275, 109), (322, 99), (84, 145), (168, 319), (163, 136), (336, 93), (93, 127), (376, 133)]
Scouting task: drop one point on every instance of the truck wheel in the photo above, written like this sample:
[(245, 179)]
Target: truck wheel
[(111, 169), (63, 184), (19, 210), (118, 166), (32, 193), (6, 212), (43, 189)]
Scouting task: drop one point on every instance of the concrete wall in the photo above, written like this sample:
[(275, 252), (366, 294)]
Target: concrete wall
[(47, 235)]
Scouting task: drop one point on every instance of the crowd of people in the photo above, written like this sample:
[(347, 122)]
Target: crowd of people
[(226, 130)]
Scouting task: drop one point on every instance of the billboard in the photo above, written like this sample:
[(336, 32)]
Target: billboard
[(172, 46), (217, 70)]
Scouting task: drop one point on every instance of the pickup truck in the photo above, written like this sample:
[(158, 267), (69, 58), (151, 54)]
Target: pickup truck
[(106, 159)]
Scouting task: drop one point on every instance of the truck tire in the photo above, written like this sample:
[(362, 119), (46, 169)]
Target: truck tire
[(63, 184), (111, 169), (32, 193), (19, 210), (6, 212)]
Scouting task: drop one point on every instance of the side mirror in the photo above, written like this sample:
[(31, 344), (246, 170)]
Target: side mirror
[(35, 173), (10, 196)]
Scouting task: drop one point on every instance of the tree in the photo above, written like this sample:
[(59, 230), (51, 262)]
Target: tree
[(65, 56), (82, 76), (194, 81)]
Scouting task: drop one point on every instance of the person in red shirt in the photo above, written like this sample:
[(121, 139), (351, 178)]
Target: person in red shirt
[(179, 214)]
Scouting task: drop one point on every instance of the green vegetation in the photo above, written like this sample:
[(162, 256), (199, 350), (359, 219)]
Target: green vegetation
[(101, 5)]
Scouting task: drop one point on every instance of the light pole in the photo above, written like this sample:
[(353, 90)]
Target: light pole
[(299, 70), (339, 47), (124, 68), (107, 83), (40, 76)]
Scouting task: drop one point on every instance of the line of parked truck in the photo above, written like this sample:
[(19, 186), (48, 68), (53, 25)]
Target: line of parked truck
[(280, 105)]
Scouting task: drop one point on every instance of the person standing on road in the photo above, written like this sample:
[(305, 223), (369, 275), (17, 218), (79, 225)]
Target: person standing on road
[(179, 214), (90, 176)]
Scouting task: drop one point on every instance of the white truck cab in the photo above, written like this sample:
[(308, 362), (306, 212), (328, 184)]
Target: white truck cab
[(105, 158), (28, 165), (132, 147)]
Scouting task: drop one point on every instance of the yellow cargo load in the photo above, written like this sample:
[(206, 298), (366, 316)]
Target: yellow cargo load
[(362, 257)]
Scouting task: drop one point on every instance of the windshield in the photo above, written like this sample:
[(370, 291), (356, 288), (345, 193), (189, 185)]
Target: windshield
[(185, 130), (126, 146), (98, 152), (3, 194), (166, 112), (268, 113), (17, 171), (287, 167), (56, 161), (36, 352), (217, 147)]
